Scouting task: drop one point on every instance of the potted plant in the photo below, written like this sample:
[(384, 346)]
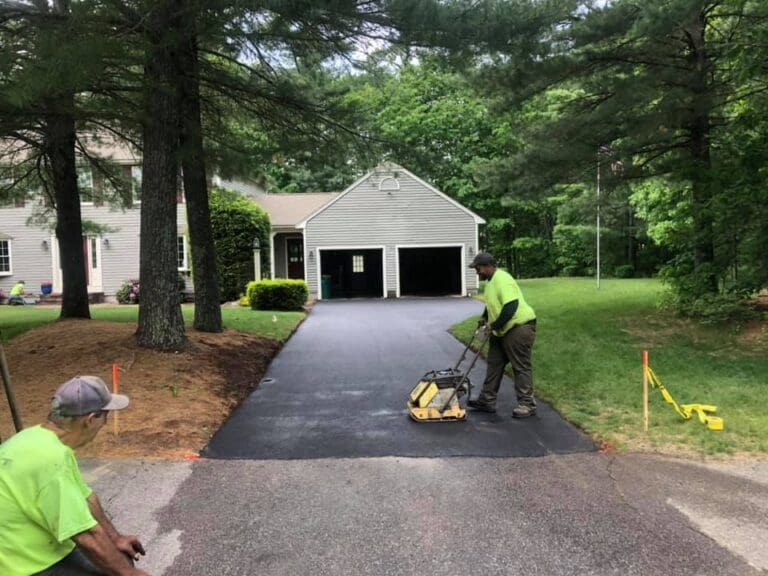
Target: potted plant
[(46, 288)]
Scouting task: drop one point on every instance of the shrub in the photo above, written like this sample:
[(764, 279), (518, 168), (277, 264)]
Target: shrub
[(236, 221), (277, 294), (128, 293), (624, 271)]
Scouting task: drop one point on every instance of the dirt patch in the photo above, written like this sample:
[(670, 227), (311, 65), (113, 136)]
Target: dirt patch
[(178, 400)]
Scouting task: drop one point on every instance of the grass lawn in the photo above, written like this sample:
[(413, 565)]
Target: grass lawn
[(274, 325), (588, 365)]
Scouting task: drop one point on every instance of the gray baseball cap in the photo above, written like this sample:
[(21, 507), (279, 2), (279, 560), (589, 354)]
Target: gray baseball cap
[(483, 259), (85, 394)]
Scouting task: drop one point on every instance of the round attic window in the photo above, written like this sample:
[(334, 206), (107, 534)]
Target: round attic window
[(389, 184)]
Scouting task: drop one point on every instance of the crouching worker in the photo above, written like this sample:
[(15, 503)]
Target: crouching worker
[(51, 522)]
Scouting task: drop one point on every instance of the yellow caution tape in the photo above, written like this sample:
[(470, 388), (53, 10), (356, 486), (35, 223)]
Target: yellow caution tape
[(686, 411)]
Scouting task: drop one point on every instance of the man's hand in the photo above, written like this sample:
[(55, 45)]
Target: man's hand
[(130, 546)]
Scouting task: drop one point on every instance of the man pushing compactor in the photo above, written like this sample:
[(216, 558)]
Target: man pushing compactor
[(512, 323)]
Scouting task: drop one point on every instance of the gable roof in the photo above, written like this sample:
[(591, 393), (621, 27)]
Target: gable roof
[(291, 209), (389, 167)]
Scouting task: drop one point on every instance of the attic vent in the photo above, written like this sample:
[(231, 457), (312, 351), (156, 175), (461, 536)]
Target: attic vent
[(389, 184)]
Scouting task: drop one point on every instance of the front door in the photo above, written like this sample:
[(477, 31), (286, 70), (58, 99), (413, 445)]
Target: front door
[(92, 258), (295, 249)]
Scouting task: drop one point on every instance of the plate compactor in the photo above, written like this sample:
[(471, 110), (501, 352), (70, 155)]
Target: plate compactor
[(436, 396)]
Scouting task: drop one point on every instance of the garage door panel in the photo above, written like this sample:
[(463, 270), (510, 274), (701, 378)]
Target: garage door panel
[(430, 271)]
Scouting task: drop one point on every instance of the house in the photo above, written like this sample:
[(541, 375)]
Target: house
[(30, 252), (389, 234)]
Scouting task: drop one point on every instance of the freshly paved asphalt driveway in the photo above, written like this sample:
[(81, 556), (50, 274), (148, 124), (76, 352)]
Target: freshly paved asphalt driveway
[(339, 388)]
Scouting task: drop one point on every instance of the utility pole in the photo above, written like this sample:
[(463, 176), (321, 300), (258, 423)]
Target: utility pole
[(598, 217)]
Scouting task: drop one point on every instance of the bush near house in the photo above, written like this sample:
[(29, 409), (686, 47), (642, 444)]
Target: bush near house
[(236, 221), (129, 292), (277, 294)]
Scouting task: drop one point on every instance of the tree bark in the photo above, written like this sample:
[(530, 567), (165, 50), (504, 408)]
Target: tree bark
[(161, 325), (60, 149), (59, 145), (701, 175), (204, 270)]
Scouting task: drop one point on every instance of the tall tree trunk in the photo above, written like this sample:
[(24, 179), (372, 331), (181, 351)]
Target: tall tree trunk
[(60, 149), (701, 175), (59, 145), (161, 325), (204, 270)]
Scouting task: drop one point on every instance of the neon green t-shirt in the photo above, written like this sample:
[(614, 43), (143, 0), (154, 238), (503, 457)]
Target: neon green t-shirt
[(42, 502), (17, 290), (500, 290)]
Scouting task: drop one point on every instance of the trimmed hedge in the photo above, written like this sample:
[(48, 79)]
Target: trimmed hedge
[(279, 294)]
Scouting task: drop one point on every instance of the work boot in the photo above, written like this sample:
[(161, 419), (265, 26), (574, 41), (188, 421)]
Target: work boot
[(522, 411), (481, 406)]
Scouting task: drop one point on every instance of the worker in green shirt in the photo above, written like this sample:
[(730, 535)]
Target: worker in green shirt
[(17, 293), (512, 323), (51, 522)]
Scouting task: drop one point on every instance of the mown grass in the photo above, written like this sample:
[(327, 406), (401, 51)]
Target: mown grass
[(588, 365), (15, 320)]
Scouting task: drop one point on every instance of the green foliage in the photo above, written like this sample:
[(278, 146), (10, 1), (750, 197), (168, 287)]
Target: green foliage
[(128, 293), (575, 247), (624, 271), (236, 221), (278, 294), (534, 257)]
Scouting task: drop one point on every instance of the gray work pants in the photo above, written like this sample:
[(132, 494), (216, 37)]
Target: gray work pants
[(513, 348), (74, 564)]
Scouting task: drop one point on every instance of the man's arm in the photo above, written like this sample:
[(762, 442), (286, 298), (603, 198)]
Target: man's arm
[(100, 550), (506, 314), (129, 545)]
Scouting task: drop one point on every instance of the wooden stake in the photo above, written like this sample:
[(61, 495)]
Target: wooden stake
[(645, 390), (115, 390), (9, 391)]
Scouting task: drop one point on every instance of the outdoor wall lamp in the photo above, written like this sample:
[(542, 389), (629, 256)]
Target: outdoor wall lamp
[(106, 242), (44, 244), (470, 250), (256, 243)]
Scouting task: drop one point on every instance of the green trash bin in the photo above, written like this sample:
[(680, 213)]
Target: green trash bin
[(325, 286)]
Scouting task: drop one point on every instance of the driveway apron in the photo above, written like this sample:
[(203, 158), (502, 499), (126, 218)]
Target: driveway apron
[(338, 389)]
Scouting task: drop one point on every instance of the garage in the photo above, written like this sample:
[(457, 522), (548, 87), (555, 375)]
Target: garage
[(352, 273), (430, 271)]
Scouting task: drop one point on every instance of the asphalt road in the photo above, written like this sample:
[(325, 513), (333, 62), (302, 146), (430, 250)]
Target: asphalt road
[(581, 514), (338, 389), (339, 482)]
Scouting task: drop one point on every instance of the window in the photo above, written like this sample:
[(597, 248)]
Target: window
[(182, 260), (5, 258), (358, 263), (136, 184), (85, 184)]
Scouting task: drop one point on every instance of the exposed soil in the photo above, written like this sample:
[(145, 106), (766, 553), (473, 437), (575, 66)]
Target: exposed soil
[(178, 400)]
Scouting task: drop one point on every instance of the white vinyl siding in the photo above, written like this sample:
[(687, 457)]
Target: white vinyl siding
[(404, 213)]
